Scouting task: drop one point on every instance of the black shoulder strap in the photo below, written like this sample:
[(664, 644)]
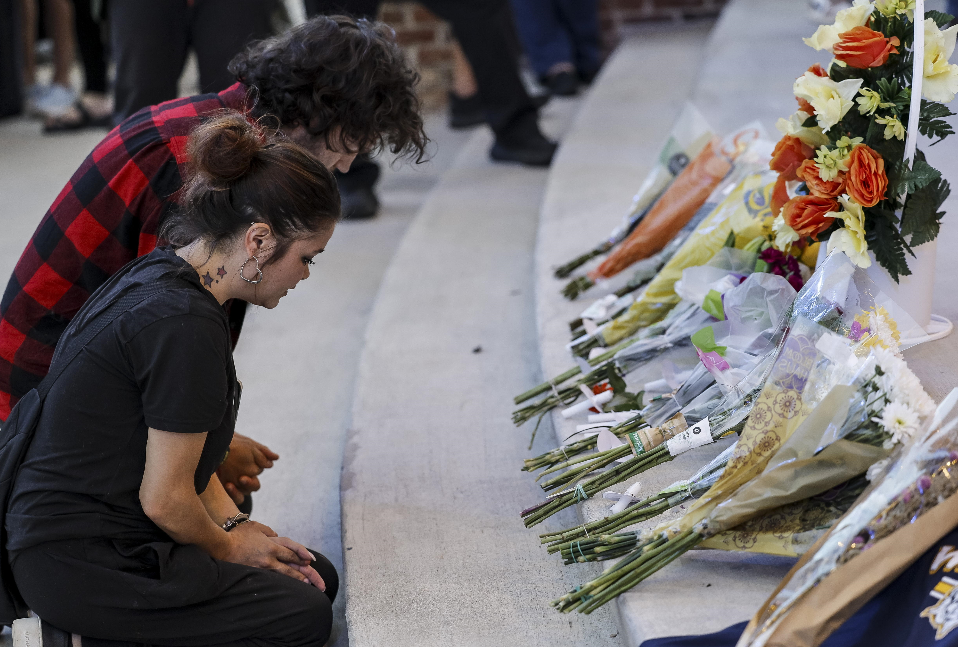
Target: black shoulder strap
[(62, 357)]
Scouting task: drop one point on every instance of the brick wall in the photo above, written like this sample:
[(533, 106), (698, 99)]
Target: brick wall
[(428, 41)]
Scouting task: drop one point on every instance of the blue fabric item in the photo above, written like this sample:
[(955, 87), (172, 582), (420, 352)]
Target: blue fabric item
[(559, 31), (918, 609)]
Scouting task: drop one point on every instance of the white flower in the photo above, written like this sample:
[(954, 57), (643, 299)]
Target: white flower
[(900, 384), (811, 136), (830, 100), (827, 36), (899, 420), (879, 328), (892, 7), (893, 127), (850, 239), (784, 235), (940, 78), (876, 470)]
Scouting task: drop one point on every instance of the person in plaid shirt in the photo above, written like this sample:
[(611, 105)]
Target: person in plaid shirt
[(335, 85)]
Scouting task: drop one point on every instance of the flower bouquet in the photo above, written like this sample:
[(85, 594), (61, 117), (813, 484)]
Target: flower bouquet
[(688, 137), (909, 506), (685, 203), (811, 430), (844, 174)]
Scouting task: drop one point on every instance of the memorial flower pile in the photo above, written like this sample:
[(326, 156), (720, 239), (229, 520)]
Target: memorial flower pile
[(812, 429), (844, 174), (871, 544)]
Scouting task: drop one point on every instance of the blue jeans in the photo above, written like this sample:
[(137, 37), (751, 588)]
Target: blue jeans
[(559, 31)]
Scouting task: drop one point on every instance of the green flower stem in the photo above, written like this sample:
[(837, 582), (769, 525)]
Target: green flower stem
[(567, 395), (599, 548), (547, 386), (592, 463), (674, 549), (559, 454), (651, 507), (620, 473), (563, 271)]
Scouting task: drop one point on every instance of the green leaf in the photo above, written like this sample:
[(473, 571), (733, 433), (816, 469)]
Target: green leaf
[(624, 402), (704, 340), (920, 175), (921, 219), (941, 19), (931, 120), (713, 305), (887, 244), (615, 380), (810, 122)]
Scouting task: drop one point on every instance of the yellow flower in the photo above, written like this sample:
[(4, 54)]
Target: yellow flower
[(892, 7), (847, 144), (784, 235), (830, 100), (940, 78), (831, 162), (893, 127), (850, 239), (826, 36), (812, 136), (870, 101)]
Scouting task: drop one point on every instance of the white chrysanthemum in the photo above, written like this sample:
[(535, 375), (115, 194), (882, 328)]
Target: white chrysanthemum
[(899, 420), (879, 328), (900, 384), (876, 470)]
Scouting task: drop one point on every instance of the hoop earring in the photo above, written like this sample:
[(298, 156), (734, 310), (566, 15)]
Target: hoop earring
[(259, 272)]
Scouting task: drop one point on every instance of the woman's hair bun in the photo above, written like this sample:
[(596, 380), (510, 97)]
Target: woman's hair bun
[(224, 148)]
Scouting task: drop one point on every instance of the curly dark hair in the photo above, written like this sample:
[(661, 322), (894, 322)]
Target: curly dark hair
[(338, 72)]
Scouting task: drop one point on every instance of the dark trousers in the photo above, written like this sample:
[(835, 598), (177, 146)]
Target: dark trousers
[(559, 31), (479, 27), (117, 594), (90, 44), (11, 61), (151, 39)]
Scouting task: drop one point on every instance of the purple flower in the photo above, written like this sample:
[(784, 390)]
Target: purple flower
[(858, 540), (857, 331), (923, 484), (906, 496), (795, 280)]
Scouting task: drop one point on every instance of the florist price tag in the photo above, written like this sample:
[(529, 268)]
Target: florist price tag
[(695, 436)]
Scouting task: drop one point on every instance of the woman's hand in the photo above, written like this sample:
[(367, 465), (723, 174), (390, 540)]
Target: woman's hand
[(246, 461), (249, 545)]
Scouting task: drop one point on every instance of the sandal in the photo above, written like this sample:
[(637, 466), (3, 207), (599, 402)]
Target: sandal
[(62, 125)]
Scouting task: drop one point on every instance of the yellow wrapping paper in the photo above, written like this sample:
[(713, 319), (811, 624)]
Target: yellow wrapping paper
[(778, 411), (746, 211)]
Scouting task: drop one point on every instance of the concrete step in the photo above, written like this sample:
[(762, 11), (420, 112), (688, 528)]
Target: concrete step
[(436, 553)]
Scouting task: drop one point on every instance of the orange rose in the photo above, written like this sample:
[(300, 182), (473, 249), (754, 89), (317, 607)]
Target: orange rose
[(808, 173), (818, 70), (862, 47), (788, 155), (805, 106), (779, 196), (808, 214), (866, 181)]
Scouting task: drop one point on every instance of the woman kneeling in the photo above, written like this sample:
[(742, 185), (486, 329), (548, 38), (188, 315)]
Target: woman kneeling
[(118, 530)]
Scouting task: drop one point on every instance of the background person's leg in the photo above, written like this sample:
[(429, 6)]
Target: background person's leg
[(149, 46), (581, 20), (545, 41), (219, 30), (478, 26)]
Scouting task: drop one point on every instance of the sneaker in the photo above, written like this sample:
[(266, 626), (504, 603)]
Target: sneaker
[(465, 112), (33, 632), (56, 101), (523, 142)]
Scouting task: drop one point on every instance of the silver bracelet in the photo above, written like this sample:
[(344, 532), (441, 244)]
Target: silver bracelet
[(234, 521)]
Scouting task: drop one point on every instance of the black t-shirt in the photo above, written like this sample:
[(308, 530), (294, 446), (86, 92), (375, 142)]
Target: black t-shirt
[(167, 364)]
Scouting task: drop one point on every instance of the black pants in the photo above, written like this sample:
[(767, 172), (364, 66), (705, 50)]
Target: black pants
[(151, 39), (11, 62), (90, 44), (479, 27), (166, 594)]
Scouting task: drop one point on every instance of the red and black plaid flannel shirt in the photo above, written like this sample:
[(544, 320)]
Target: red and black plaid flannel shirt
[(107, 214)]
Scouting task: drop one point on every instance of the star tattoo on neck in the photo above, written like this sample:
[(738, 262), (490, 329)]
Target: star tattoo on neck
[(221, 272), (207, 280)]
